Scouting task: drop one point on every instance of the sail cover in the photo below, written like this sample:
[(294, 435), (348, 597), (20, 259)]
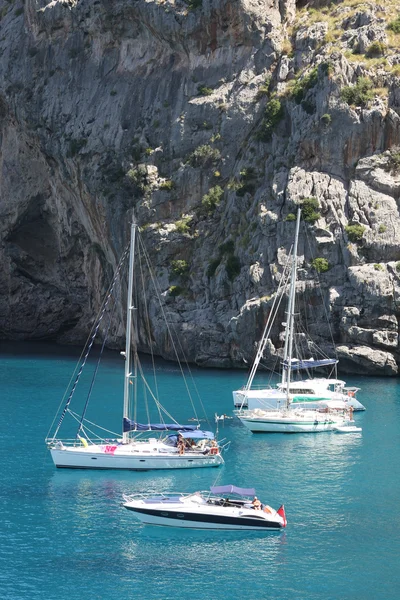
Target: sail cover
[(232, 489), (310, 363), (134, 426), (199, 434)]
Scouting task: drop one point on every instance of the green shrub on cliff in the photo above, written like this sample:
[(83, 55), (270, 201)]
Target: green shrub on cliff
[(309, 210), (175, 290), (179, 267), (204, 155), (355, 232), (274, 112), (183, 225), (211, 200), (395, 25), (302, 86), (359, 94), (321, 265), (375, 50)]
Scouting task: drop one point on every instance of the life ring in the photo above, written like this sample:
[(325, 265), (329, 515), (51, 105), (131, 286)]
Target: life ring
[(351, 394), (213, 450)]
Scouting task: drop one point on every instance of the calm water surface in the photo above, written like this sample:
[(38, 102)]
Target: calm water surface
[(64, 534)]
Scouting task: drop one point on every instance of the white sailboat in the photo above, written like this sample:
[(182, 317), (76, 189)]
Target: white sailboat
[(224, 507), (310, 392), (140, 446), (306, 406)]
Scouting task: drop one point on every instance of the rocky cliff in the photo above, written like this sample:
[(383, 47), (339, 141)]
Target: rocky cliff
[(211, 120)]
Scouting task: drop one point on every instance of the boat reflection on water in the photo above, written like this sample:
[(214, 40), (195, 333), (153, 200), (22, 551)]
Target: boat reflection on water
[(194, 548)]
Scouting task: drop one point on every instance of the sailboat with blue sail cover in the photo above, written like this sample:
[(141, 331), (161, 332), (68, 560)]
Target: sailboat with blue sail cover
[(308, 405), (144, 444)]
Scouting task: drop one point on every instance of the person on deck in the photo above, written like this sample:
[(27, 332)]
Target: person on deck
[(181, 445), (256, 503)]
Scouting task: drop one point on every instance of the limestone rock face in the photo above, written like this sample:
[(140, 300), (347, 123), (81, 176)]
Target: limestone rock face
[(210, 121)]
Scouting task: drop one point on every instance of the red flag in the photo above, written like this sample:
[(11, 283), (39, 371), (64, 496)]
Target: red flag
[(281, 513)]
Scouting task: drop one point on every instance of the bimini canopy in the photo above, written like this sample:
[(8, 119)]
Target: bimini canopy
[(310, 363), (199, 434), (232, 489), (134, 426)]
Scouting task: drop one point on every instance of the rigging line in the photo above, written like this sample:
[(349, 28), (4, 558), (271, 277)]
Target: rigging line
[(89, 346), (158, 403), (157, 290), (147, 320), (94, 376), (269, 324), (85, 346), (77, 417), (327, 315), (93, 434), (146, 402)]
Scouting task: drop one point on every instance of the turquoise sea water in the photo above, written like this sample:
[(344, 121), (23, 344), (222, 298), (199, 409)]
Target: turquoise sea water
[(64, 534)]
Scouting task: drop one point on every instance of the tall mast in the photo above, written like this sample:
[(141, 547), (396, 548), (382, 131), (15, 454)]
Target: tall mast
[(129, 309), (290, 313)]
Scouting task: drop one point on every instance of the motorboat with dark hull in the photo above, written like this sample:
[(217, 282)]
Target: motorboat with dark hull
[(223, 507)]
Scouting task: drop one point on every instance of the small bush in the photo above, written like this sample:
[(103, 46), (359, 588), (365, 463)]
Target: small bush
[(326, 119), (327, 68), (247, 184), (167, 185), (211, 200), (309, 210), (274, 112), (378, 267), (302, 86), (233, 267), (355, 232), (202, 90), (375, 50), (176, 290), (263, 90), (179, 267), (359, 94), (138, 177), (321, 265), (382, 229), (395, 25), (183, 225), (204, 155), (291, 217)]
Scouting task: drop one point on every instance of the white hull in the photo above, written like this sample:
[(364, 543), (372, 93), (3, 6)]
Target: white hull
[(195, 512), (124, 457), (187, 524), (348, 429), (291, 422), (270, 399)]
